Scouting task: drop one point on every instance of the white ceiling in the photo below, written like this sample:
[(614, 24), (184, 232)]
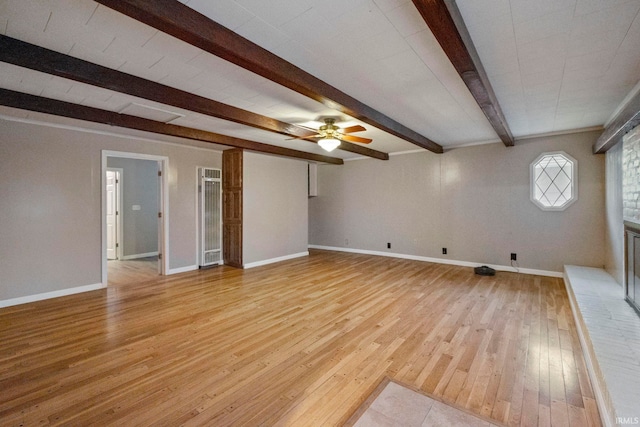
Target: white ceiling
[(555, 65)]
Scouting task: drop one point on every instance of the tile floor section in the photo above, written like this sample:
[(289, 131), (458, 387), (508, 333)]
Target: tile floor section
[(614, 330), (399, 406)]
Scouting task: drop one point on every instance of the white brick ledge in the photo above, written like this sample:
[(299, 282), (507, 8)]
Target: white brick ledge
[(609, 331)]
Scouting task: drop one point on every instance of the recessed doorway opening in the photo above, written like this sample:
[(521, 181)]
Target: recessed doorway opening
[(134, 217)]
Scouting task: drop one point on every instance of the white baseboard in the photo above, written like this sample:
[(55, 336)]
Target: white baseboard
[(136, 256), (48, 295), (278, 259), (182, 269), (441, 261)]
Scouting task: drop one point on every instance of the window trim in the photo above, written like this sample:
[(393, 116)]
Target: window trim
[(574, 181)]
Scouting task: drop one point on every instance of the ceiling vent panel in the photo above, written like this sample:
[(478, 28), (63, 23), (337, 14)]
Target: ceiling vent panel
[(151, 113)]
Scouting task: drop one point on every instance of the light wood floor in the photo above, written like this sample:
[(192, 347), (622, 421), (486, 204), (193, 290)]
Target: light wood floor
[(302, 342), (131, 271)]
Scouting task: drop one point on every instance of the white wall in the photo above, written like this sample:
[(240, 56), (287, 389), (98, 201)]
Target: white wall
[(614, 243), (474, 201), (631, 176), (50, 205), (275, 208), (623, 195)]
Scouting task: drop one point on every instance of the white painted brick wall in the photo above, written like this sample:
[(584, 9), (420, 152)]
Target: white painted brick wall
[(631, 176)]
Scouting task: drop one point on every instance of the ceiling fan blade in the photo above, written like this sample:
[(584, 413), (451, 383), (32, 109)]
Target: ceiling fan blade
[(356, 128), (308, 128), (304, 137), (351, 138)]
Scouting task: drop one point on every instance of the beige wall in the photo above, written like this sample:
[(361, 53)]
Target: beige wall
[(275, 208), (50, 205), (474, 201)]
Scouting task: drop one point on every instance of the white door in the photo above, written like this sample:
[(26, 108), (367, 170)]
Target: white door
[(112, 214)]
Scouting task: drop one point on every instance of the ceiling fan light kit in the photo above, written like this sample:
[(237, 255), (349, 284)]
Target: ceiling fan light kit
[(329, 144), (330, 135)]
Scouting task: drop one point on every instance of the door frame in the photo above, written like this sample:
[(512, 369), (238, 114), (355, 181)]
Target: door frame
[(163, 224), (119, 179)]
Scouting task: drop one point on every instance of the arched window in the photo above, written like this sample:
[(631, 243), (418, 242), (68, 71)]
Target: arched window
[(554, 181)]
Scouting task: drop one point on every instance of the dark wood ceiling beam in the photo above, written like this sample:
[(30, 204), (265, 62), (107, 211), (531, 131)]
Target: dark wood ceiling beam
[(627, 119), (37, 58), (184, 23), (39, 104), (447, 25)]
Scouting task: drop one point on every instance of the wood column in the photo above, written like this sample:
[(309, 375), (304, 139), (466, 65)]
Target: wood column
[(232, 207)]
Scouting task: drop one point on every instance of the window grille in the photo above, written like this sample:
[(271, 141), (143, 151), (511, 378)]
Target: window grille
[(554, 181)]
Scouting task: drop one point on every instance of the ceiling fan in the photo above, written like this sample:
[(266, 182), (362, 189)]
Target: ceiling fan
[(330, 135)]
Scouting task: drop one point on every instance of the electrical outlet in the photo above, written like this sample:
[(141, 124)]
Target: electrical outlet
[(388, 245), (514, 257), (444, 251), (346, 242)]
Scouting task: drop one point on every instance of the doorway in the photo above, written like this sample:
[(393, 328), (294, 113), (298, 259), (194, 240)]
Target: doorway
[(134, 217)]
